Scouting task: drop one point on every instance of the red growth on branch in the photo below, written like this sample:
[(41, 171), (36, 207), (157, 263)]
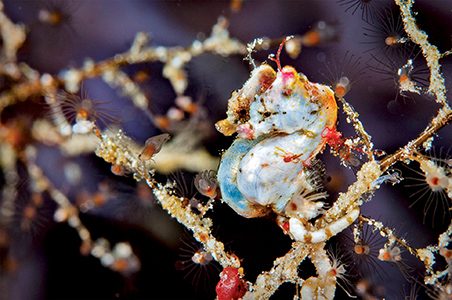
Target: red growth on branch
[(230, 286)]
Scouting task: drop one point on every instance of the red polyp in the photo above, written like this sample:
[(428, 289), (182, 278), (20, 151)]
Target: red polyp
[(287, 159), (333, 137), (286, 226), (434, 181), (287, 73), (230, 286)]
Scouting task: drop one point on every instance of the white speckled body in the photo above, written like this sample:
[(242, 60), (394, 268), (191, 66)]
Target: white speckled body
[(265, 178), (284, 125), (285, 107)]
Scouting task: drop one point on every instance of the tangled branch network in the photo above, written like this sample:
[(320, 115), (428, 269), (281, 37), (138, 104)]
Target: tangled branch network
[(281, 122)]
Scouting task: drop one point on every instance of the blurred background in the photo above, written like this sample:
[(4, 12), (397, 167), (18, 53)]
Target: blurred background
[(44, 261)]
